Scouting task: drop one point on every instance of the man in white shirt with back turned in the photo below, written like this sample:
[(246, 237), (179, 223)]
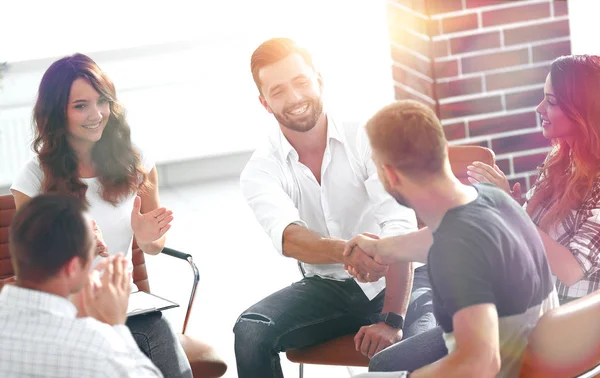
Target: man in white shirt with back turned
[(42, 333), (312, 186)]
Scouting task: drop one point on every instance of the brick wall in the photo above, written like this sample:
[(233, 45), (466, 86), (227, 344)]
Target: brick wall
[(481, 64)]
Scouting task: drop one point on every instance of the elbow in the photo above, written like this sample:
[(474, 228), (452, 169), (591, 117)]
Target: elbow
[(484, 366), (571, 277)]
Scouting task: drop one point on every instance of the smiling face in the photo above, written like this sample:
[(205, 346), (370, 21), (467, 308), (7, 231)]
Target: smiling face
[(291, 90), (87, 113), (555, 124)]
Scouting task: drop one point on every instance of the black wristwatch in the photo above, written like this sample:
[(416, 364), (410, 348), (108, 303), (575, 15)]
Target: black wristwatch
[(392, 319)]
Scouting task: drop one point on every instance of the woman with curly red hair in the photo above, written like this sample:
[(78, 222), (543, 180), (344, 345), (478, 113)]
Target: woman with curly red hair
[(84, 149), (565, 200)]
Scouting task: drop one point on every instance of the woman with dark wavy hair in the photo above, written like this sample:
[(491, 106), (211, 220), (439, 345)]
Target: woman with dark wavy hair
[(565, 200), (84, 149)]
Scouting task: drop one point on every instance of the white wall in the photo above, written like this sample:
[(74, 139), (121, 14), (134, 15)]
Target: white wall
[(584, 25), (182, 67)]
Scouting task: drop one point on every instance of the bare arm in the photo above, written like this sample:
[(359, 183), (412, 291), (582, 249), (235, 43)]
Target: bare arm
[(20, 198), (307, 246), (477, 352), (562, 262), (398, 282), (150, 201), (408, 247)]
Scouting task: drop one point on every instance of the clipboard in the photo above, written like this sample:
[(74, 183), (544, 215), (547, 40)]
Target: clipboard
[(141, 303)]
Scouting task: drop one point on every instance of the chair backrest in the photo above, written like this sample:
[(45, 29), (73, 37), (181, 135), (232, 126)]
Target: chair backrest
[(566, 341), (8, 210), (462, 156)]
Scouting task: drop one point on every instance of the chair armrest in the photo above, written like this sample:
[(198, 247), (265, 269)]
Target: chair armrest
[(185, 256)]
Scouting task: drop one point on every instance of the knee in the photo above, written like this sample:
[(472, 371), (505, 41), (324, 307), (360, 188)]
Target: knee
[(382, 361), (254, 330)]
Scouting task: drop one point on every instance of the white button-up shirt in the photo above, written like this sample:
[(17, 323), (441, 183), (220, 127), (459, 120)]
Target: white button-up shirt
[(350, 200), (40, 336)]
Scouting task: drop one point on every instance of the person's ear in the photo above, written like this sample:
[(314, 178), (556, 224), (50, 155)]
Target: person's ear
[(72, 267), (264, 103), (392, 176)]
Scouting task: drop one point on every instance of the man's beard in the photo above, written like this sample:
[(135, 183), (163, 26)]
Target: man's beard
[(399, 198), (308, 120), (395, 194)]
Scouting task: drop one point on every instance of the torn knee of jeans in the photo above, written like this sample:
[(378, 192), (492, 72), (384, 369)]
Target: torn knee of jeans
[(256, 318)]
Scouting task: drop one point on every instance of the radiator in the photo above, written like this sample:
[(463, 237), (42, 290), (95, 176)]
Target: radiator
[(15, 142)]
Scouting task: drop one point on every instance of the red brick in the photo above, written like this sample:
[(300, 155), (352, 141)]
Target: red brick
[(448, 68), (402, 37), (415, 5), (526, 12), (470, 107), (495, 60), (440, 48), (561, 7), (411, 60), (459, 87), (443, 6), (547, 30), (524, 99), (467, 142), (435, 27), (519, 143), (551, 51), (516, 78), (459, 23), (501, 124), (455, 130), (401, 94), (398, 17), (528, 163), (504, 165), (475, 42), (484, 3), (417, 83)]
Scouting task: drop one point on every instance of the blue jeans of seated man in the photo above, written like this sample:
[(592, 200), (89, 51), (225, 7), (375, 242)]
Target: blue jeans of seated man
[(159, 342), (313, 311)]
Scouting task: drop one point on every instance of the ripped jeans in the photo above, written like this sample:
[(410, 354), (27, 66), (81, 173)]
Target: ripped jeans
[(310, 312)]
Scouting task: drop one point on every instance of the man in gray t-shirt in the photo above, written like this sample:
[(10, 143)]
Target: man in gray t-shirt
[(490, 278)]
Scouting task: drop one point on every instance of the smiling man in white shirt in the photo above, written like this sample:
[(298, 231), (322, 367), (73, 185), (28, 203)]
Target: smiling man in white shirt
[(312, 186)]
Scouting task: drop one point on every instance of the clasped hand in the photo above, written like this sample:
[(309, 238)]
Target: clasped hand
[(362, 260)]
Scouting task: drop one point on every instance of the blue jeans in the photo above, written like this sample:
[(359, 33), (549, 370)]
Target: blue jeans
[(412, 353), (312, 311), (157, 340)]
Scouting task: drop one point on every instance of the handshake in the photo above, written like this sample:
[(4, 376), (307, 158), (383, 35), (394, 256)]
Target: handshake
[(364, 260)]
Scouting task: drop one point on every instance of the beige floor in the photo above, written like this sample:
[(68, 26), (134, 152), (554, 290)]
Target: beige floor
[(238, 266)]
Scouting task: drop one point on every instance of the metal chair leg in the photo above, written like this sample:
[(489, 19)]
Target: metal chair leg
[(301, 370)]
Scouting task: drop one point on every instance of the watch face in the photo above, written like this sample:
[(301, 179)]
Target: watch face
[(394, 320)]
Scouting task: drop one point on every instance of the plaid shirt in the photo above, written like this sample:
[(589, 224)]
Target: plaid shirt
[(41, 337), (579, 232)]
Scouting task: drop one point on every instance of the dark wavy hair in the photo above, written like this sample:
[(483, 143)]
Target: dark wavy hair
[(118, 165), (569, 173)]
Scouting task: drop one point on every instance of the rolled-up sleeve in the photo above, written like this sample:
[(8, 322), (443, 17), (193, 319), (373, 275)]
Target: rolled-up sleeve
[(262, 184), (393, 218)]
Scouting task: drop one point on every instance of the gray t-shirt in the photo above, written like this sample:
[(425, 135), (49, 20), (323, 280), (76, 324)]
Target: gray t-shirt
[(489, 251)]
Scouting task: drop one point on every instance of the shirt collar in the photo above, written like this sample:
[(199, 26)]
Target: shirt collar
[(287, 148), (17, 297)]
